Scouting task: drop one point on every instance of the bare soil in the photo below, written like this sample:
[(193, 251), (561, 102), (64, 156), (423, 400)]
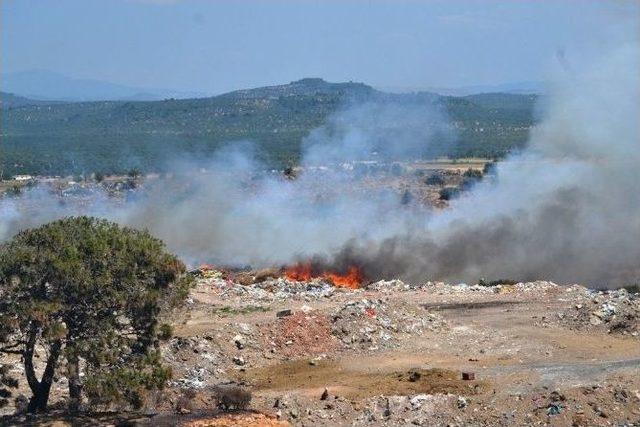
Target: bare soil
[(394, 353)]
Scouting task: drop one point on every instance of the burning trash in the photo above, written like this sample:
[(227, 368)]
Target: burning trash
[(304, 272)]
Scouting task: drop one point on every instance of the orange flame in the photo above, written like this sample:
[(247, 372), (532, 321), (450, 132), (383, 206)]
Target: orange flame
[(303, 272), (299, 272)]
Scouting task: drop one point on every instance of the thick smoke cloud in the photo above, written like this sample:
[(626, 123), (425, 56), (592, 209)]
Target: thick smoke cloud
[(567, 209)]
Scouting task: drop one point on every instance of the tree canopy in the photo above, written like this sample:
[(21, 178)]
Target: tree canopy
[(86, 294)]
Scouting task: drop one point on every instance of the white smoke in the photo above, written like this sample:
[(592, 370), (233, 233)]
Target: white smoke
[(566, 209)]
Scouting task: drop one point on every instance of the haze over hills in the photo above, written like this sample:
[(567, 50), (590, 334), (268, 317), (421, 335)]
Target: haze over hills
[(114, 136), (9, 100), (521, 88), (48, 85)]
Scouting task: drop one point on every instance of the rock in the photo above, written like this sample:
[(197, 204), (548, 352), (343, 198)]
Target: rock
[(239, 341), (239, 360), (325, 395), (397, 404), (621, 395), (284, 313), (417, 400), (462, 402), (414, 376), (554, 409), (595, 321)]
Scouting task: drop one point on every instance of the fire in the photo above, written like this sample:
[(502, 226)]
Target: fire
[(352, 279), (303, 272), (299, 272)]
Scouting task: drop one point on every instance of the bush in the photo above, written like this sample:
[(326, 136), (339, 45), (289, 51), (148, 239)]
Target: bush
[(14, 191), (449, 193), (165, 332), (435, 179), (467, 184), (473, 174), (134, 173), (406, 198), (490, 168), (232, 397)]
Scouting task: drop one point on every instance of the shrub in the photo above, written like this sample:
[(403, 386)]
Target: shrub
[(232, 397), (134, 173), (472, 173), (449, 193), (489, 168), (406, 198), (14, 191), (467, 184), (435, 179), (165, 332)]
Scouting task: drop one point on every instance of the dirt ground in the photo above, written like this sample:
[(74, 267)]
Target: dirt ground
[(395, 353)]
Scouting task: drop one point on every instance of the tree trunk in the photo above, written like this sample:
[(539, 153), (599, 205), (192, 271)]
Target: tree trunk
[(38, 402), (73, 374), (41, 389)]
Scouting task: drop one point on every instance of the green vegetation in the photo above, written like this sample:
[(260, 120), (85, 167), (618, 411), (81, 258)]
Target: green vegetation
[(232, 311), (489, 168), (114, 137), (435, 179), (449, 193), (7, 384), (472, 173), (89, 292)]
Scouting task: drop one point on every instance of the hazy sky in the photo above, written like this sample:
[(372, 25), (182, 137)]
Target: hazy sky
[(215, 46)]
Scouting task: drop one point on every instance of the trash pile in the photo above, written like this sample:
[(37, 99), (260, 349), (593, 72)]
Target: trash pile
[(616, 311), (370, 324), (270, 289), (419, 410)]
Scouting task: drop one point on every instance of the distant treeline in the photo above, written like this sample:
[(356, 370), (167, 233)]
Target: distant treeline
[(115, 137)]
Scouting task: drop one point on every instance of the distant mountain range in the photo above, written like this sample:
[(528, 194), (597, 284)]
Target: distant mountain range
[(9, 100), (521, 88), (45, 85)]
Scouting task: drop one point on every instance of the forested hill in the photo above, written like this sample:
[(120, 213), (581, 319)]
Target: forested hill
[(114, 136)]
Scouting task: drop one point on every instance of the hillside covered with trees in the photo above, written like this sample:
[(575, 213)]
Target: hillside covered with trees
[(115, 136)]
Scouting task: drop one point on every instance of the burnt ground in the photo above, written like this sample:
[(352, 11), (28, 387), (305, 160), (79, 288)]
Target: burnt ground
[(394, 353)]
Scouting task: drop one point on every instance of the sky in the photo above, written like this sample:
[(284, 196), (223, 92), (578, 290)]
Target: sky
[(214, 46)]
